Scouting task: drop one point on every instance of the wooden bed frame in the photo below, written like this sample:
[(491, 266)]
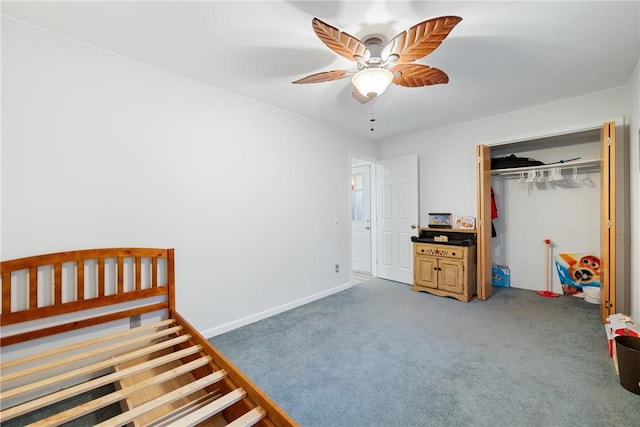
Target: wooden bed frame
[(108, 316)]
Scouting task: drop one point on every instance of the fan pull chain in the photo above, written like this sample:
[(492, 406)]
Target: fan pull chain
[(372, 121)]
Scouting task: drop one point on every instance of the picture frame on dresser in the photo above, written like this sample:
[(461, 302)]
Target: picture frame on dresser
[(439, 220), (464, 222)]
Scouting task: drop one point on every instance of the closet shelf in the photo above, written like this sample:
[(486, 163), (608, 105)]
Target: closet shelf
[(581, 164)]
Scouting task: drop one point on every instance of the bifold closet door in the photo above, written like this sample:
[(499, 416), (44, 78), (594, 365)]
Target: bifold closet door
[(483, 224), (608, 221)]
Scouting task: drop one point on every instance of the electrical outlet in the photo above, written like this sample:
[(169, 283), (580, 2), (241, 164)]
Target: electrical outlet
[(134, 321), (337, 268)]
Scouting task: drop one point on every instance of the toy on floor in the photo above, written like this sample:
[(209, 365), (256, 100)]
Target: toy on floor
[(577, 270), (547, 292)]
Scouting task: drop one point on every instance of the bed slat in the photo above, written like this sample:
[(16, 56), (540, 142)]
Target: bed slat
[(110, 337), (58, 396), (80, 280), (214, 407), (95, 367), (33, 287), (6, 291), (154, 272), (249, 419), (132, 414), (118, 395), (92, 353), (100, 277), (176, 415), (120, 275), (57, 283), (138, 281)]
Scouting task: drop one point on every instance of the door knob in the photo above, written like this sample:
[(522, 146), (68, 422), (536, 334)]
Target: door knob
[(413, 226), (366, 227)]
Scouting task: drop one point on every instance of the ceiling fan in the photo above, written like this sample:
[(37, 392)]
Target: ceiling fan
[(379, 63)]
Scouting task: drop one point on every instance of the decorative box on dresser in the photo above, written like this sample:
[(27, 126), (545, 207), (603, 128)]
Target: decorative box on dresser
[(444, 263)]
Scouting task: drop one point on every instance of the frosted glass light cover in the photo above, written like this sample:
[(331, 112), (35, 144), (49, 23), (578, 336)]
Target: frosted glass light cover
[(372, 81)]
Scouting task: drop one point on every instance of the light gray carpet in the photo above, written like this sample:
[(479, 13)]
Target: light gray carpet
[(379, 354)]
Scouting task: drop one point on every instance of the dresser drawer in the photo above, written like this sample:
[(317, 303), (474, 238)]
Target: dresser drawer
[(443, 251)]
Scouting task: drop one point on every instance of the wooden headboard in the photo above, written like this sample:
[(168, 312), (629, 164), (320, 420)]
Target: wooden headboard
[(62, 292), (56, 284)]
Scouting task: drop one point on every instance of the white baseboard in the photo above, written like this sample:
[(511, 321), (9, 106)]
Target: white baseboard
[(212, 332)]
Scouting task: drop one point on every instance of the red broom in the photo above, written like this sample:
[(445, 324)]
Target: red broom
[(547, 293)]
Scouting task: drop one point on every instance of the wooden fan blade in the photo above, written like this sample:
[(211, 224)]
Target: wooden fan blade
[(338, 41), (421, 39), (417, 75), (325, 76), (362, 99)]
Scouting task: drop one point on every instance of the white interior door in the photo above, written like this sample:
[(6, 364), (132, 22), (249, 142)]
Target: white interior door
[(397, 181), (361, 218)]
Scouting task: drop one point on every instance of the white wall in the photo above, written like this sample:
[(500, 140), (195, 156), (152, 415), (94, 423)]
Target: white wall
[(447, 155), (101, 151)]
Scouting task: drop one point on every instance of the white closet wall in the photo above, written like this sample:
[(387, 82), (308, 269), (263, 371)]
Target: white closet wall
[(567, 211)]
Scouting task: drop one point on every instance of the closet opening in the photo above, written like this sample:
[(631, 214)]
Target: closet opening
[(570, 200), (558, 201)]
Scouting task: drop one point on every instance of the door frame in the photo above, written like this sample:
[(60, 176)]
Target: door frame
[(356, 159)]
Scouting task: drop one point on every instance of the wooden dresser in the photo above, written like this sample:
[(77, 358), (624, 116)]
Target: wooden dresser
[(445, 268)]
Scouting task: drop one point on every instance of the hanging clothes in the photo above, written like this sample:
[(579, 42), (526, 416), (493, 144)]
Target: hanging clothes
[(494, 208), (494, 213)]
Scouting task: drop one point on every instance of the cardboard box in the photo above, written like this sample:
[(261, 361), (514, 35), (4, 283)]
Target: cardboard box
[(500, 276)]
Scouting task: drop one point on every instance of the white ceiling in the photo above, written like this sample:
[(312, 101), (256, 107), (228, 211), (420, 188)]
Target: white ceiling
[(503, 56)]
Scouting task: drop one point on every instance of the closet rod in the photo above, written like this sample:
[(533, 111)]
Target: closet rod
[(578, 163)]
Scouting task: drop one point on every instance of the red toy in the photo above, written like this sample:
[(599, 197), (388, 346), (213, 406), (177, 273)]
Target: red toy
[(547, 292)]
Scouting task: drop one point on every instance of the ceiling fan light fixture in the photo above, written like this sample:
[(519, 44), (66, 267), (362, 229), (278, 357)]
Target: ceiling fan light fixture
[(372, 81)]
